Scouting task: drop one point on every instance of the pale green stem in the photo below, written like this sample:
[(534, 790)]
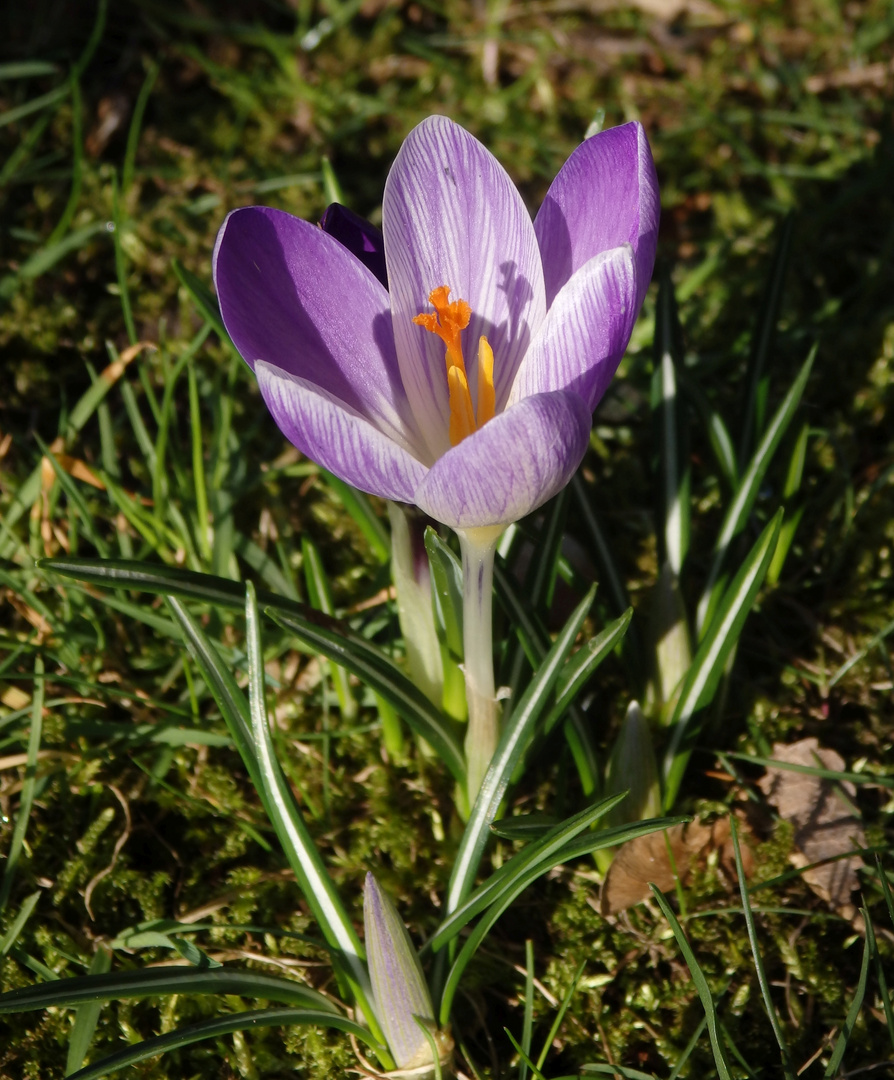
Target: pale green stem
[(478, 547)]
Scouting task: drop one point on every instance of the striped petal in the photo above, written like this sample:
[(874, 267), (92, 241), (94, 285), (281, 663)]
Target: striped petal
[(511, 465), (451, 216), (586, 331), (337, 437), (606, 194), (298, 299)]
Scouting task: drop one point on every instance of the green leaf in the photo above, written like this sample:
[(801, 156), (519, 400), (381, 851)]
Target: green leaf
[(204, 299), (86, 1016), (852, 1013), (330, 637), (499, 892), (320, 596), (447, 579), (303, 856), (719, 639), (746, 494), (153, 982), (518, 729), (701, 985), (212, 1029)]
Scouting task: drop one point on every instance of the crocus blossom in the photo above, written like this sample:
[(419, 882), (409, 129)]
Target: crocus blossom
[(467, 387)]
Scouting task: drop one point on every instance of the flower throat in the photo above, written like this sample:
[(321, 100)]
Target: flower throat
[(448, 322)]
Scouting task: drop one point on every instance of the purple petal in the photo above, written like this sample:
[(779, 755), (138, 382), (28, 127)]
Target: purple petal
[(510, 466), (360, 237), (451, 216), (586, 331), (337, 437), (296, 298), (606, 194)]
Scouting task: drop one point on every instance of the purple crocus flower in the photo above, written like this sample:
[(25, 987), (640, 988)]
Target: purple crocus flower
[(468, 390)]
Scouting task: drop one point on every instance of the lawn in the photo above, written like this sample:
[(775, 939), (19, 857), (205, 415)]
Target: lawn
[(737, 493)]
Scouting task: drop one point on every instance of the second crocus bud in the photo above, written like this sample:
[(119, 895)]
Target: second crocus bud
[(400, 994)]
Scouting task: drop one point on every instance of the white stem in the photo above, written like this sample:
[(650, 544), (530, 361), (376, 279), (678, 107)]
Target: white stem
[(478, 547)]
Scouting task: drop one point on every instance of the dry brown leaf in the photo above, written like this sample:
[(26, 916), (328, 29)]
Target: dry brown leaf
[(661, 857), (824, 825)]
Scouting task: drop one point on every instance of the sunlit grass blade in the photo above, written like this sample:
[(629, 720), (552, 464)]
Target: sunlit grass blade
[(23, 815), (19, 922), (518, 729), (707, 667), (793, 513), (364, 516), (880, 976), (560, 1015), (764, 984), (330, 637), (746, 494), (204, 299), (156, 981), (320, 596), (538, 852), (853, 1012), (377, 671), (762, 345), (714, 427), (215, 1028), (87, 1016), (509, 886), (673, 458), (701, 986), (303, 856)]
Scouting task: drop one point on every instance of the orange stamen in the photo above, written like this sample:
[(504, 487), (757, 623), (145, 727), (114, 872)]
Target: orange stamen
[(448, 322)]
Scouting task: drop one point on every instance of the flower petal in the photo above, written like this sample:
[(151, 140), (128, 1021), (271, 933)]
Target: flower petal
[(586, 331), (359, 236), (510, 466), (451, 216), (337, 437), (295, 297), (606, 194)]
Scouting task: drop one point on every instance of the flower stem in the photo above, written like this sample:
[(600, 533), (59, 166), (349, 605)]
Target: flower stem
[(478, 547)]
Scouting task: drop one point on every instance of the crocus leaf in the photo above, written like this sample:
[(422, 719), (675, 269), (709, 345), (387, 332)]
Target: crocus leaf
[(746, 494), (518, 729), (719, 639), (153, 982), (330, 637), (212, 1029), (504, 892)]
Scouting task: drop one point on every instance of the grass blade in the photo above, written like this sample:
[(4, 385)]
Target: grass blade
[(212, 1029), (747, 492), (764, 984), (853, 1012), (87, 1016), (27, 797), (707, 667), (701, 986)]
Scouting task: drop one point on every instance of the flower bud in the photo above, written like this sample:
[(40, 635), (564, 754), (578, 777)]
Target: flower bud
[(632, 768), (400, 993)]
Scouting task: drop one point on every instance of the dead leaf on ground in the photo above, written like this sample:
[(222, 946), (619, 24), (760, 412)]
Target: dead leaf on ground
[(825, 826), (661, 857)]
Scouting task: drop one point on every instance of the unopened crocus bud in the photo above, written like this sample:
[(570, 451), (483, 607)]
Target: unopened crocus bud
[(632, 768), (400, 993)]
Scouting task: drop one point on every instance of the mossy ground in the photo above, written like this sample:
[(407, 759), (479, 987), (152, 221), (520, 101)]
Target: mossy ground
[(184, 111)]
